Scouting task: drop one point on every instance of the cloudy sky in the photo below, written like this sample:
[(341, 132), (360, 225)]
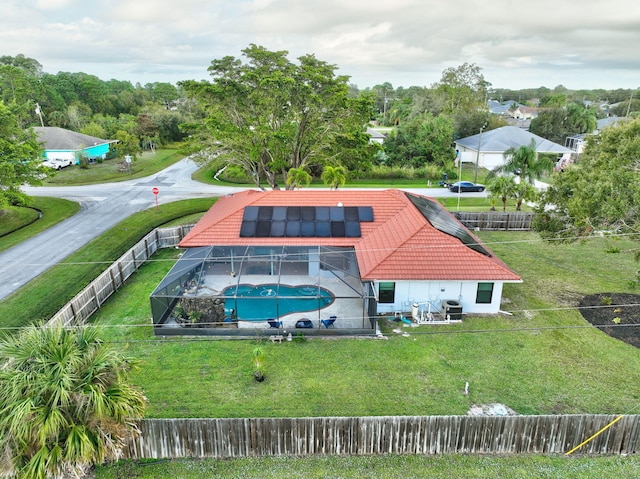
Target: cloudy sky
[(517, 44)]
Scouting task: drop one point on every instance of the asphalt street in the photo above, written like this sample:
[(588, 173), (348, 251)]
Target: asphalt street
[(105, 205)]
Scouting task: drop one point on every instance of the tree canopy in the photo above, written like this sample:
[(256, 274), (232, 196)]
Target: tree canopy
[(599, 193), (270, 115), (20, 159)]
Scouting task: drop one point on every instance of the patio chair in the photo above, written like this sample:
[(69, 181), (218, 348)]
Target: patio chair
[(328, 323), (274, 323)]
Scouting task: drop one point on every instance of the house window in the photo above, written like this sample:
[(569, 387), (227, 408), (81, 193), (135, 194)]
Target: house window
[(485, 293), (387, 292)]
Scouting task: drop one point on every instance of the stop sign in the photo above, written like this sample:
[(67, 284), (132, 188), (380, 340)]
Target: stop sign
[(155, 191)]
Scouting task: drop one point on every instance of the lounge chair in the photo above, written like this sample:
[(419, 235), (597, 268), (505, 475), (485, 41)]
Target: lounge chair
[(328, 323)]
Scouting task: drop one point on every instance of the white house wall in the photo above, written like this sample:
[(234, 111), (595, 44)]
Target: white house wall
[(486, 159), (434, 292)]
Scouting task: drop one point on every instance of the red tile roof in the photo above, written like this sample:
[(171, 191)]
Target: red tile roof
[(400, 244)]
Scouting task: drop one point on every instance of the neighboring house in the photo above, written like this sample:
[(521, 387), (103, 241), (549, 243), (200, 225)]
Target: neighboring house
[(524, 113), (577, 143), (487, 148), (354, 254), (376, 136), (62, 144)]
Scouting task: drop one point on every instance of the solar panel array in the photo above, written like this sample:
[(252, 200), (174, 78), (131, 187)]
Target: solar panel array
[(443, 221), (304, 221)]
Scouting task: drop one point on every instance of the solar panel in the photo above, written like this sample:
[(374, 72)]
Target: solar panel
[(308, 213), (365, 213), (279, 213), (304, 221), (263, 229), (293, 229), (293, 213), (352, 229), (307, 229), (248, 229), (336, 213), (337, 229), (322, 213), (351, 213), (250, 213), (265, 213), (323, 229), (278, 228), (443, 221)]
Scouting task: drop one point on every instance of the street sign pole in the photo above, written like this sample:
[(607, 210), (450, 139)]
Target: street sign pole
[(155, 192)]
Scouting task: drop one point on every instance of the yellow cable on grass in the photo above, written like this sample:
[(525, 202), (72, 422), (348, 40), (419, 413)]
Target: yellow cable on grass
[(595, 435)]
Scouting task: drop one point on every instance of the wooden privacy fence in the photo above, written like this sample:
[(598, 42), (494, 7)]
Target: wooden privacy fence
[(227, 438), (496, 220), (91, 298)]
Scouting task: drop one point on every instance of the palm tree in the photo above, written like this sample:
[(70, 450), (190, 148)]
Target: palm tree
[(65, 402), (525, 161), (334, 176), (297, 177), (524, 192), (502, 187)]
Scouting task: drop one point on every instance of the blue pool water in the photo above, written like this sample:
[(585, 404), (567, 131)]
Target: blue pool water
[(267, 301)]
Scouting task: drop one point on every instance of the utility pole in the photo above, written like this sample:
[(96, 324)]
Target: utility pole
[(39, 113), (475, 172)]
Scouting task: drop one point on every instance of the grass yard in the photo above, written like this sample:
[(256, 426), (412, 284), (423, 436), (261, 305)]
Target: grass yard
[(388, 467), (23, 223), (542, 359)]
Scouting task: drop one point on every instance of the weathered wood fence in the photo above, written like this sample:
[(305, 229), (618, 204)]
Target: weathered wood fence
[(496, 220), (226, 438), (91, 298)]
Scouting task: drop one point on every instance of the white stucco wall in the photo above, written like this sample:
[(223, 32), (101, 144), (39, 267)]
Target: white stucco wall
[(486, 159), (434, 292)]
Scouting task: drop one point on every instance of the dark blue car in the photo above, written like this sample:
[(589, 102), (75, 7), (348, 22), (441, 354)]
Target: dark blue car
[(466, 187)]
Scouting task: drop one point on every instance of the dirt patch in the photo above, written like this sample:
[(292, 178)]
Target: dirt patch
[(611, 312)]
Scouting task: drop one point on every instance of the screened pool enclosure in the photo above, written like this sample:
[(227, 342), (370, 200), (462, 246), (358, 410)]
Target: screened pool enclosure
[(262, 287)]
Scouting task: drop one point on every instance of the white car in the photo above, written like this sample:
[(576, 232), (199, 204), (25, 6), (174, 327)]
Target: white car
[(57, 163)]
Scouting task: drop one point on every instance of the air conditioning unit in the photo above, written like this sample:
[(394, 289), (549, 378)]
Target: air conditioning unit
[(452, 309)]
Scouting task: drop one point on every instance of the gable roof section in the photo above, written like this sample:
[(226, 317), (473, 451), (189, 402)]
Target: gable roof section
[(501, 139), (399, 244), (54, 138)]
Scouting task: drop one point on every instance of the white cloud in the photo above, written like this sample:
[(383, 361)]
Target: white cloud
[(406, 42)]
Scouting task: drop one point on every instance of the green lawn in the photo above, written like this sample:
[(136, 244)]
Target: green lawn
[(388, 467), (542, 359), (23, 223)]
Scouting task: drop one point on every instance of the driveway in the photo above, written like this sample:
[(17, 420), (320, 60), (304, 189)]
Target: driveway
[(105, 205)]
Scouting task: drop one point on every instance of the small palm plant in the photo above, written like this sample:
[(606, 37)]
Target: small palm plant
[(258, 366), (66, 402)]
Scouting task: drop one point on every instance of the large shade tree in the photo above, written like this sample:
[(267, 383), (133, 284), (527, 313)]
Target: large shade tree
[(599, 193), (20, 159), (65, 402), (270, 115)]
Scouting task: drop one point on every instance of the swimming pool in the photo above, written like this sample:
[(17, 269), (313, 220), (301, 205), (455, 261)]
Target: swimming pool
[(266, 301)]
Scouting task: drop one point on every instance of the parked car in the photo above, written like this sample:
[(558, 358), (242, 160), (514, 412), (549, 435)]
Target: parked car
[(57, 163), (466, 187)]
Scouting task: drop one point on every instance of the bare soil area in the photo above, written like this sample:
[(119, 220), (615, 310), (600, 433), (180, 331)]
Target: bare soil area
[(615, 314)]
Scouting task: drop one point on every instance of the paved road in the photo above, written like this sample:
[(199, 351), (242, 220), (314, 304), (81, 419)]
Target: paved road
[(103, 206)]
